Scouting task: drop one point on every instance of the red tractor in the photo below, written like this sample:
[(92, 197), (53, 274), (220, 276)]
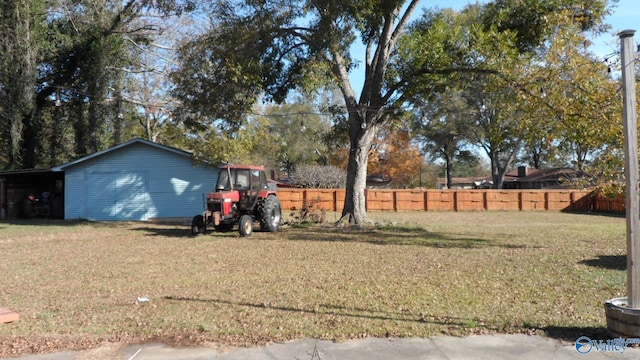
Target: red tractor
[(242, 196)]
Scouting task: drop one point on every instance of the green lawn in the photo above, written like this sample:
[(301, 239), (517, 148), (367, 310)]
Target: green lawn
[(76, 285)]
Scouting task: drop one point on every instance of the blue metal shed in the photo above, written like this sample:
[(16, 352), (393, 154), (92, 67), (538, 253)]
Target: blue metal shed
[(138, 180)]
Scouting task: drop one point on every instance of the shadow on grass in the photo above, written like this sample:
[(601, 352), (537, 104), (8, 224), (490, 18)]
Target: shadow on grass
[(611, 262), (572, 333), (391, 236), (386, 235), (183, 232), (44, 222), (594, 213), (332, 310)]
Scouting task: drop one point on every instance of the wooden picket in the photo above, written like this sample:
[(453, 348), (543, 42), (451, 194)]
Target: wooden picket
[(454, 200)]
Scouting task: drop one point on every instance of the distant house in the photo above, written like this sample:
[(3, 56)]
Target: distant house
[(378, 181), (553, 178), (463, 183), (136, 180)]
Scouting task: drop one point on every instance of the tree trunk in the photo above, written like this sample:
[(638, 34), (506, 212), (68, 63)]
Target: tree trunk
[(499, 167), (18, 59), (80, 129), (355, 210), (31, 138), (496, 174), (448, 169)]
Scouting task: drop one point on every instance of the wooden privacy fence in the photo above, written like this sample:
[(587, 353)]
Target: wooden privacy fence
[(453, 200)]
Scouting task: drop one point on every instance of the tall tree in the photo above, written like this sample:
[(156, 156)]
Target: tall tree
[(580, 106), (290, 135), (442, 127), (21, 23), (498, 130), (62, 66), (487, 52), (279, 45)]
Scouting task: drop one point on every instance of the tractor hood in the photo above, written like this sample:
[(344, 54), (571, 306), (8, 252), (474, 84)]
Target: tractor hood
[(224, 196)]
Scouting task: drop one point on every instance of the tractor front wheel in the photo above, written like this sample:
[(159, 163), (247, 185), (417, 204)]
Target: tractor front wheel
[(246, 225), (197, 225)]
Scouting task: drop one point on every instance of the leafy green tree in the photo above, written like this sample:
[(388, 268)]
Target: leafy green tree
[(479, 65), (273, 47), (581, 106), (290, 135), (469, 164), (497, 127), (21, 23), (278, 46), (487, 52), (62, 72), (442, 127)]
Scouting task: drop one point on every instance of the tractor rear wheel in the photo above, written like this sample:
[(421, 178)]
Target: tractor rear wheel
[(270, 214), (246, 225), (197, 225)]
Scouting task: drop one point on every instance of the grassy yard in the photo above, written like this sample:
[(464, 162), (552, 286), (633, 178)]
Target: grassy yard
[(76, 285)]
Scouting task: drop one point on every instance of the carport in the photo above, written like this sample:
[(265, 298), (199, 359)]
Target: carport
[(29, 193)]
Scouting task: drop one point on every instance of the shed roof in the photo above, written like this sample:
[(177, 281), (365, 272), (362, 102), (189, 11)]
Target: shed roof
[(120, 146), (25, 171)]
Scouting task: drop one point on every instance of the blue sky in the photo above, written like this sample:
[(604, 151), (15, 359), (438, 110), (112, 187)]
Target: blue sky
[(626, 15)]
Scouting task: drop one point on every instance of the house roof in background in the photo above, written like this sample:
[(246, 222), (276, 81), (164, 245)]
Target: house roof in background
[(120, 146), (540, 174), (458, 180)]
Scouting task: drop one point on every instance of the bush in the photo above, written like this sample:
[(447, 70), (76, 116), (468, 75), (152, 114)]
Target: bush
[(308, 214), (318, 177)]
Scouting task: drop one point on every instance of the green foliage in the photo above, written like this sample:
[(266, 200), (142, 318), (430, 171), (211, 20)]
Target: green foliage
[(213, 147), (442, 128), (290, 135), (73, 55), (493, 56), (534, 21), (578, 117), (468, 164), (21, 24)]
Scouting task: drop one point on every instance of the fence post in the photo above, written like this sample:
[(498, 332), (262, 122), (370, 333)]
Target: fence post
[(455, 200), (394, 199), (304, 198), (546, 200), (520, 201), (425, 198), (485, 200)]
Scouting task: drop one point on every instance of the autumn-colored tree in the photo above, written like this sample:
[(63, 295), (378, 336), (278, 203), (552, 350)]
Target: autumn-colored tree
[(577, 106), (493, 69), (393, 156)]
